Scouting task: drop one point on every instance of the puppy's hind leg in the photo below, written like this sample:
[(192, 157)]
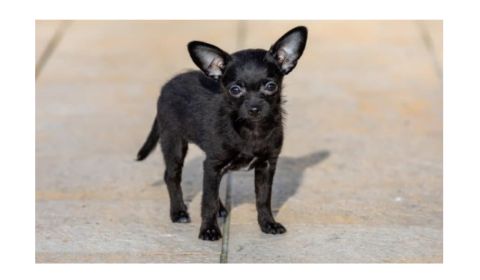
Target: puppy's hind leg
[(174, 149)]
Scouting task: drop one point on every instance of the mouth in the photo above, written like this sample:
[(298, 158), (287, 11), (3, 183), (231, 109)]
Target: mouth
[(251, 119), (255, 119)]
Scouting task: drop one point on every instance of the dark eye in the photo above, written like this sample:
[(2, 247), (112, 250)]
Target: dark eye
[(235, 90), (271, 87)]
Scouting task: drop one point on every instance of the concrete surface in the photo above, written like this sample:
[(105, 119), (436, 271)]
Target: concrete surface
[(359, 180)]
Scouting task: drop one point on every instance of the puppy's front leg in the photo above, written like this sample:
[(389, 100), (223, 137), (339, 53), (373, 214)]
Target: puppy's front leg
[(263, 191), (210, 201)]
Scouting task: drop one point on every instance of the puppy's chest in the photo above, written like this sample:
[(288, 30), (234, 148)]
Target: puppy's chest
[(246, 159), (241, 162)]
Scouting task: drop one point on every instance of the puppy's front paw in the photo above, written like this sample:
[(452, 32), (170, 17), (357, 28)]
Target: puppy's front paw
[(180, 217), (211, 233), (273, 228)]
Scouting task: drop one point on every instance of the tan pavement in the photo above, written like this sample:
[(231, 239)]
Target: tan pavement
[(359, 180)]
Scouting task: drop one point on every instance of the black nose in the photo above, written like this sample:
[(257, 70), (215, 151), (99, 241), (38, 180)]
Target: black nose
[(254, 110)]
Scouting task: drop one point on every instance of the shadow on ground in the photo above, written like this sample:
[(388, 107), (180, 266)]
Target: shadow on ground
[(287, 180)]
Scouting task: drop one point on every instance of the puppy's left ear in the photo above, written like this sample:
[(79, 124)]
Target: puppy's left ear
[(209, 58), (289, 48)]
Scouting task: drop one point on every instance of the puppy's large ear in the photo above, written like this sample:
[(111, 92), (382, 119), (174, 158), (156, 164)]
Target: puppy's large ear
[(289, 48), (209, 58)]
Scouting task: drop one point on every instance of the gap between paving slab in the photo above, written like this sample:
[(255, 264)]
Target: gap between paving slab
[(241, 35), (430, 46), (51, 46), (226, 225)]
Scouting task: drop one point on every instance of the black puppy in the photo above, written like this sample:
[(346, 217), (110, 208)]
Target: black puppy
[(233, 112)]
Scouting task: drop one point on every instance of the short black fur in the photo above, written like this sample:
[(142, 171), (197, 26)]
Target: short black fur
[(233, 111)]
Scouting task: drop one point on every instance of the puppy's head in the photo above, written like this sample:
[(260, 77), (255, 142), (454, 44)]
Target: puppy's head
[(252, 79)]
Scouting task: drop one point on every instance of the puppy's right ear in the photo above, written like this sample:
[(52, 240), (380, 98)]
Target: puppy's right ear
[(209, 58)]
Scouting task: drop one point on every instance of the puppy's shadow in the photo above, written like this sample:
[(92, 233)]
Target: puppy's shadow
[(287, 180)]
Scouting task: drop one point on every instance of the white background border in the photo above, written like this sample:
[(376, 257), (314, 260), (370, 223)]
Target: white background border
[(461, 132)]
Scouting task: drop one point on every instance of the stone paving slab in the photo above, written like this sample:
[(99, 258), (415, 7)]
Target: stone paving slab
[(337, 244), (95, 102), (362, 158), (126, 230)]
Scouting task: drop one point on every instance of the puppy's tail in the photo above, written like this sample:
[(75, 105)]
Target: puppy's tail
[(150, 143)]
